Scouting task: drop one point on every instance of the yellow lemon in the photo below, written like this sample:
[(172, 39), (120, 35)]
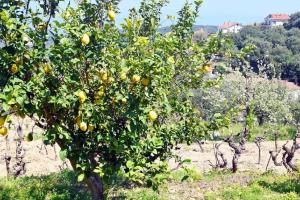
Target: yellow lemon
[(101, 91), (100, 94), (145, 81), (104, 77), (85, 39), (3, 131), (111, 15), (82, 96), (135, 79), (2, 121), (152, 115), (83, 126), (206, 68), (47, 68), (14, 69)]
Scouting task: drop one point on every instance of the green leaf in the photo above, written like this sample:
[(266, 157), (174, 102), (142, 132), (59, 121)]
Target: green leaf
[(5, 106), (187, 161), (81, 177), (20, 100), (63, 154), (184, 178), (129, 164)]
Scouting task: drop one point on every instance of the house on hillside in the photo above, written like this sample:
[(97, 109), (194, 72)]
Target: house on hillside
[(230, 27), (276, 20)]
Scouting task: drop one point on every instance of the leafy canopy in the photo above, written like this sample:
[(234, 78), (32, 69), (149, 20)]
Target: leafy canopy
[(112, 99)]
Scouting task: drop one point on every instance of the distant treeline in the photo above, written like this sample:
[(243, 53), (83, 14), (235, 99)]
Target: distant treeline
[(278, 46), (207, 28)]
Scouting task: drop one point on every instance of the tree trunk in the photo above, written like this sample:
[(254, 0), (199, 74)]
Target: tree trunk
[(93, 181), (95, 186), (260, 120), (235, 161)]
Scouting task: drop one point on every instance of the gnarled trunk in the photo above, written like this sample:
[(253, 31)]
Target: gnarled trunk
[(92, 180), (94, 183), (95, 186)]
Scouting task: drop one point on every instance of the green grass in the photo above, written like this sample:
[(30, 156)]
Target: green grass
[(55, 186), (188, 174), (217, 185), (286, 132), (266, 186)]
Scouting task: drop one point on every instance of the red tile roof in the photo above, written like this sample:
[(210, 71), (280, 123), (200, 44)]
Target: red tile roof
[(279, 17), (228, 25)]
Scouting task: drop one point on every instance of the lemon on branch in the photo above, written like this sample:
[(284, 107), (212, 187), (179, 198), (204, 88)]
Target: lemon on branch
[(104, 77), (152, 116), (83, 126), (111, 15), (14, 69), (2, 121), (135, 79), (206, 69), (82, 96), (47, 68), (3, 131), (145, 81), (85, 39)]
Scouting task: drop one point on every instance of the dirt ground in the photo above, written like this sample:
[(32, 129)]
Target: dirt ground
[(248, 160), (39, 159), (42, 160)]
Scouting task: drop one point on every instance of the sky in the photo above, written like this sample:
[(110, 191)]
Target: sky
[(215, 12)]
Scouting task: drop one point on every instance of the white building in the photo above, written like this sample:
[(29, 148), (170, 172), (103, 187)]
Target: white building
[(276, 19), (230, 27)]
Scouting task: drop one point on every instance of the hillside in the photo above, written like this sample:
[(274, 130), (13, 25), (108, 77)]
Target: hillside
[(207, 28)]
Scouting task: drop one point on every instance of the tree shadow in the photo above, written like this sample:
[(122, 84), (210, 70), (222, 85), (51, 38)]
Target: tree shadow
[(283, 187)]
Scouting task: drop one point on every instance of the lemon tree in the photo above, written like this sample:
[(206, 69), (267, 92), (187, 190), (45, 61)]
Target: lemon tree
[(116, 100)]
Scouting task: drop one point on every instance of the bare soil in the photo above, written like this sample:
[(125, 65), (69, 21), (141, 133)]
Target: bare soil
[(39, 158), (42, 160), (194, 190), (247, 162)]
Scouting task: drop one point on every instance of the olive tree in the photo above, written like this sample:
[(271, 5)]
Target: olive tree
[(270, 98)]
